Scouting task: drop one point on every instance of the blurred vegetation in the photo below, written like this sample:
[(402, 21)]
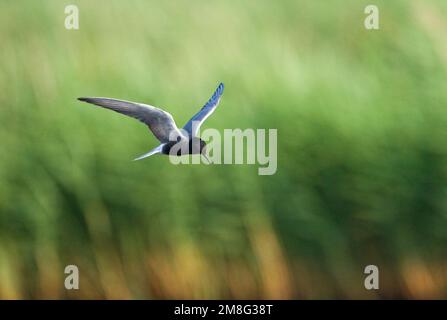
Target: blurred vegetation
[(362, 162)]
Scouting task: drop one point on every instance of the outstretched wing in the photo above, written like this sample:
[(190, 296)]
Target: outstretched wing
[(193, 125), (159, 122)]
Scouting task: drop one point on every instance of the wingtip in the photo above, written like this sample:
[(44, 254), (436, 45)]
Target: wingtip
[(220, 88), (83, 99)]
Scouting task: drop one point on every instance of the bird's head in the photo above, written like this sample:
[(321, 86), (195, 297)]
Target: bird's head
[(198, 146), (202, 146), (203, 150)]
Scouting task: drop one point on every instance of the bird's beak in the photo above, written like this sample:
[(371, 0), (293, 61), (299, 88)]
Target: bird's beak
[(206, 157)]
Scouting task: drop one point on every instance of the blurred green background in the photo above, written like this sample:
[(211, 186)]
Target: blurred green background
[(362, 159)]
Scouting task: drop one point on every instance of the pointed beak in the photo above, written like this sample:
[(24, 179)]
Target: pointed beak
[(207, 159)]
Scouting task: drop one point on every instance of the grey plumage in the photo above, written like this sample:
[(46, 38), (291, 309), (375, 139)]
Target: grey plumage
[(161, 123), (205, 112)]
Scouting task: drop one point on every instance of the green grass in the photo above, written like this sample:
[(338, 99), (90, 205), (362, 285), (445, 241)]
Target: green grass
[(362, 160)]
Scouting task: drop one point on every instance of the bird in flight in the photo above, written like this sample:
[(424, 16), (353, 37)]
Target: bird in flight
[(173, 141)]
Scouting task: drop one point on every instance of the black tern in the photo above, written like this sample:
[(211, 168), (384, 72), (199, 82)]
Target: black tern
[(163, 126)]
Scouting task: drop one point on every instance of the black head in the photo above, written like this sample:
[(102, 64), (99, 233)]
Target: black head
[(197, 146), (202, 146), (203, 151)]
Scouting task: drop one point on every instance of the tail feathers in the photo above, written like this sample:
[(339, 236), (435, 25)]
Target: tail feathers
[(150, 153)]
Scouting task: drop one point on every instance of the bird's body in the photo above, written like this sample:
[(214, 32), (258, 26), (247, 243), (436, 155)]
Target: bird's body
[(174, 141), (192, 146)]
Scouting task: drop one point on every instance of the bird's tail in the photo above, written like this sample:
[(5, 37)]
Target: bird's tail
[(150, 153)]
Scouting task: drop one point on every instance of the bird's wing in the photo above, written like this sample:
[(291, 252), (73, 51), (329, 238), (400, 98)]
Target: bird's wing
[(159, 122), (193, 125)]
